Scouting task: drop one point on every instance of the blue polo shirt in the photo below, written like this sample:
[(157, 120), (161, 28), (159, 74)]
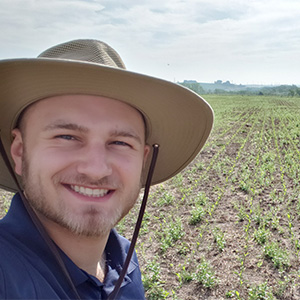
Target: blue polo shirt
[(28, 269)]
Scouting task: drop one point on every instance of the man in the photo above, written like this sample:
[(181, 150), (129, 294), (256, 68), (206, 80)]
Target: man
[(79, 132)]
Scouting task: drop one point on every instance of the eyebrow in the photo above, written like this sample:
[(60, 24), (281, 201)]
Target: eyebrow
[(63, 125), (129, 134), (75, 127)]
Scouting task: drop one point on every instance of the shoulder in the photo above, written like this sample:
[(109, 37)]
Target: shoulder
[(135, 289), (122, 240), (118, 241), (124, 245), (15, 276)]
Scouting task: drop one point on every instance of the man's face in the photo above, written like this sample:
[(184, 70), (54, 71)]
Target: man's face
[(81, 159)]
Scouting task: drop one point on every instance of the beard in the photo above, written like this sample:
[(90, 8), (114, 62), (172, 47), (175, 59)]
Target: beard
[(90, 221)]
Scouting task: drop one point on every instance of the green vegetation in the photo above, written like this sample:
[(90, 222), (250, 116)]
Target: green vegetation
[(205, 274), (228, 226), (260, 292)]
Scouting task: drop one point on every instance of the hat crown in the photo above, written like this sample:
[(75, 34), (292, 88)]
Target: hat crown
[(86, 51)]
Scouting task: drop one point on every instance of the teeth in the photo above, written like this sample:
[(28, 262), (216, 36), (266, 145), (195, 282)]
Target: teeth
[(88, 191)]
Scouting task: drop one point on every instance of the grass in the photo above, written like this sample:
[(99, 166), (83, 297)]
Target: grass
[(227, 227)]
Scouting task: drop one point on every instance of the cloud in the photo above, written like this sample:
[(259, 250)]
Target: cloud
[(171, 38), (33, 23)]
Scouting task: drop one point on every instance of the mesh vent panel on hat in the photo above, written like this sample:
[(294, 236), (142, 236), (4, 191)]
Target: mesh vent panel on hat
[(86, 50)]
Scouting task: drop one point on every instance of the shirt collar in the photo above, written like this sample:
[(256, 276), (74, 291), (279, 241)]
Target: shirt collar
[(116, 252)]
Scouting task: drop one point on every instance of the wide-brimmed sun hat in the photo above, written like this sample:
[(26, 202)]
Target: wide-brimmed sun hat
[(177, 119)]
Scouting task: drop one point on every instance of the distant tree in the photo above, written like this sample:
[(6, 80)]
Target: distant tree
[(194, 86), (220, 91), (294, 91), (291, 93)]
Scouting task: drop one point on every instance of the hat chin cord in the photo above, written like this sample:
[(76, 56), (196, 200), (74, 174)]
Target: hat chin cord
[(53, 248), (137, 228)]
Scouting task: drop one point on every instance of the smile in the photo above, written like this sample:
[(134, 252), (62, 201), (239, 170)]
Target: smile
[(89, 192)]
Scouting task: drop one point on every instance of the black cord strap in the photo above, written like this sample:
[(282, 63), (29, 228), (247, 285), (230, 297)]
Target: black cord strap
[(114, 293)]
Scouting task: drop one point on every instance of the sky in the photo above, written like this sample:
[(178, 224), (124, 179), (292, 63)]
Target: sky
[(242, 41)]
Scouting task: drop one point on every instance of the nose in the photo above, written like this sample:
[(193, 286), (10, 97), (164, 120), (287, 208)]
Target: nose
[(94, 162)]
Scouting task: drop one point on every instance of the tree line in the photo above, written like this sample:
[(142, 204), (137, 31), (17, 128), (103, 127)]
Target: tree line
[(281, 90)]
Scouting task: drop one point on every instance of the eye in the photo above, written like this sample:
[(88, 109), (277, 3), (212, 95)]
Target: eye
[(65, 137), (121, 143)]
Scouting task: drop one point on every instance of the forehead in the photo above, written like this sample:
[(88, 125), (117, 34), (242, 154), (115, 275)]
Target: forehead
[(82, 108)]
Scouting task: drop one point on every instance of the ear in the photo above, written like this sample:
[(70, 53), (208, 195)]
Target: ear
[(146, 153), (16, 150)]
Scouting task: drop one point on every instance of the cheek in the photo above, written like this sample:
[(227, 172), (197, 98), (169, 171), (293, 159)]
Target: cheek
[(46, 163), (130, 168)]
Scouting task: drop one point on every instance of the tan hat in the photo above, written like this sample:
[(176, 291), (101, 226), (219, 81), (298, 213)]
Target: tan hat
[(177, 119)]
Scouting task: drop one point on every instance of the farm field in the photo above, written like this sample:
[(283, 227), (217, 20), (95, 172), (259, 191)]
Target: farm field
[(228, 226)]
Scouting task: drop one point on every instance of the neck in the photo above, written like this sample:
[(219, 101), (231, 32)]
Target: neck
[(86, 252)]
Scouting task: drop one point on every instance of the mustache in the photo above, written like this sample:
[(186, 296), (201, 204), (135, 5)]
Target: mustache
[(81, 179)]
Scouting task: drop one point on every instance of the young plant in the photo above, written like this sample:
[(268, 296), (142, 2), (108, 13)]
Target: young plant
[(260, 292), (219, 238), (197, 215), (278, 256), (184, 276), (171, 232), (153, 285), (205, 275), (261, 235)]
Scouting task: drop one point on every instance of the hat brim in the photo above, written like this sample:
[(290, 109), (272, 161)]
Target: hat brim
[(179, 120)]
